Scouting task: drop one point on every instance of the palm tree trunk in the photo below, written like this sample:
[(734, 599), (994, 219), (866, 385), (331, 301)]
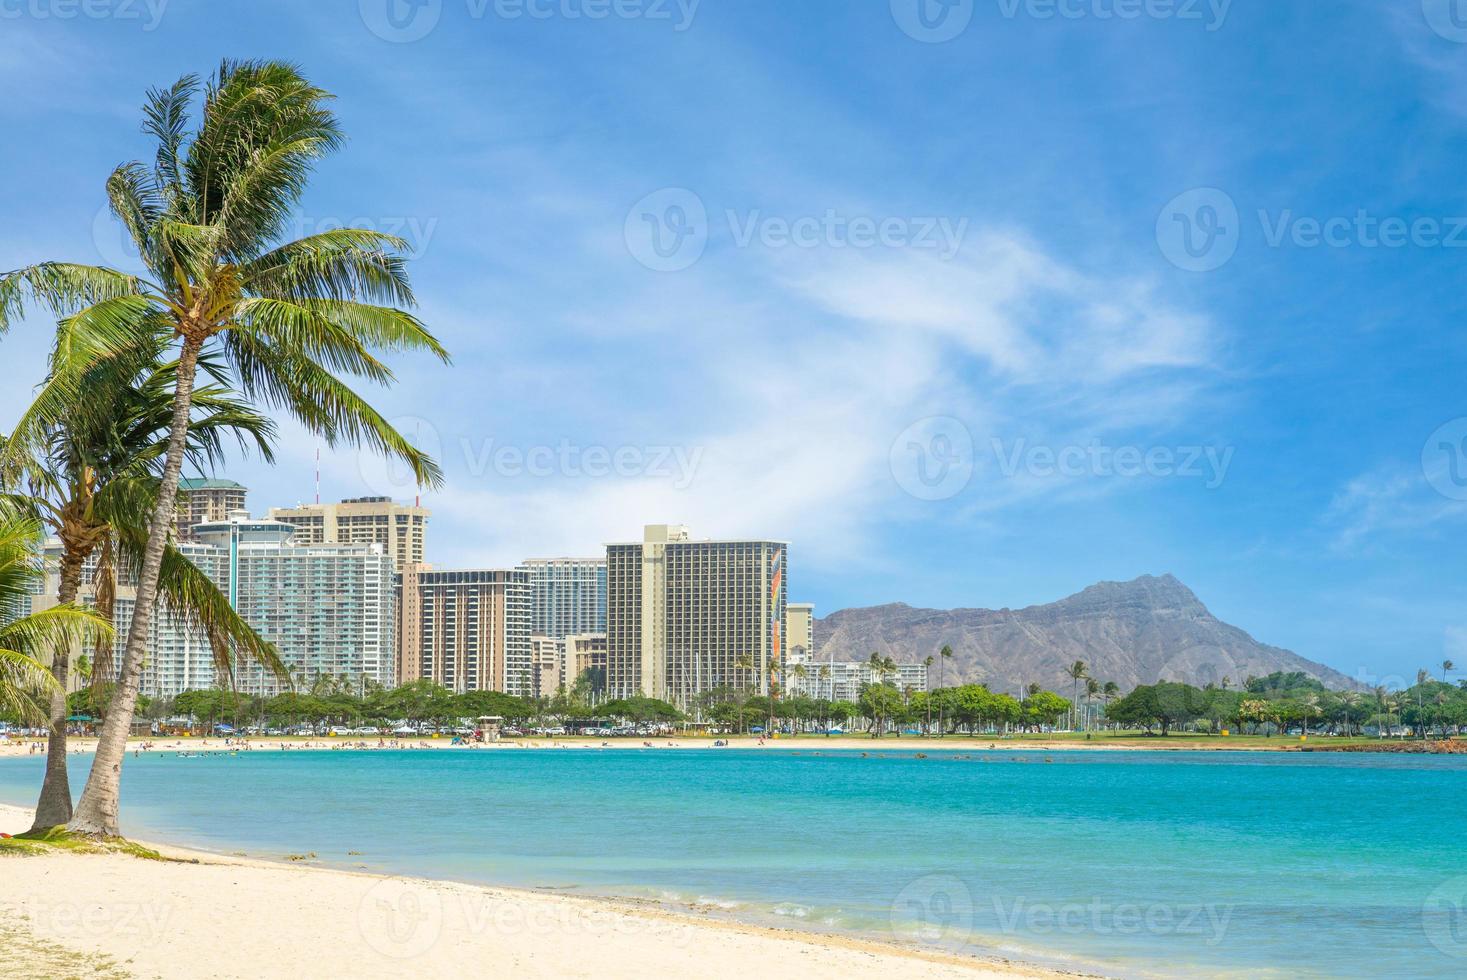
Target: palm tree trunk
[(54, 806), (96, 811)]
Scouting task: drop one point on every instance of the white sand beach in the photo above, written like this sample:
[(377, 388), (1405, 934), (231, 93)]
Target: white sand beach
[(202, 915)]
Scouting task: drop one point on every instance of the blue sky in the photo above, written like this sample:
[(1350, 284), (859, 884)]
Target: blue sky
[(976, 306)]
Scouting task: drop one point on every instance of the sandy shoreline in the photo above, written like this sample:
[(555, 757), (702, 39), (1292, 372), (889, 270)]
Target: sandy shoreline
[(205, 915), (809, 743)]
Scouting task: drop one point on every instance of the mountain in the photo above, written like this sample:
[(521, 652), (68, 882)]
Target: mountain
[(1132, 633)]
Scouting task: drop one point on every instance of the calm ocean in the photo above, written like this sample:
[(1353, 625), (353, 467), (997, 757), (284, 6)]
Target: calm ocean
[(1131, 864)]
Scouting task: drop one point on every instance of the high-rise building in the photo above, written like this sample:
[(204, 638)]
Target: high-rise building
[(547, 655), (585, 655), (568, 596), (179, 656), (398, 528), (467, 630), (843, 680), (328, 608), (685, 616), (801, 642), (207, 500)]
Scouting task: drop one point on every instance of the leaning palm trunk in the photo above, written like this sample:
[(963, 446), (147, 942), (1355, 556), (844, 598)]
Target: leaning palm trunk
[(97, 811), (54, 806)]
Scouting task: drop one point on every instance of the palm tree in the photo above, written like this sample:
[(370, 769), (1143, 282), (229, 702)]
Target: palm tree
[(93, 483), (745, 665), (1076, 672), (208, 219), (27, 687), (946, 653), (1092, 688), (1447, 668), (928, 664), (1310, 703), (1112, 690)]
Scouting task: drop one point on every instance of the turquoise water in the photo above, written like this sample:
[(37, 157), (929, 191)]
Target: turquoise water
[(1130, 864)]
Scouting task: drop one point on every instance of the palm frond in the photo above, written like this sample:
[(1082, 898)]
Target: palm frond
[(62, 289), (322, 403)]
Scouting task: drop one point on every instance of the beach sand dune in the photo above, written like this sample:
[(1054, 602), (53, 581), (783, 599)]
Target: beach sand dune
[(120, 916)]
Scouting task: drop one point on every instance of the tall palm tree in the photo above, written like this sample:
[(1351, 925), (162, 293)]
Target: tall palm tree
[(209, 219), (946, 653), (26, 686), (92, 485), (745, 665), (1092, 688), (928, 664), (1447, 668), (1076, 672)]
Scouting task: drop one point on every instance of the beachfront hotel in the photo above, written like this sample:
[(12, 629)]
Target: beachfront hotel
[(327, 607), (206, 500), (399, 528), (567, 595), (681, 614), (179, 656), (468, 630), (843, 680)]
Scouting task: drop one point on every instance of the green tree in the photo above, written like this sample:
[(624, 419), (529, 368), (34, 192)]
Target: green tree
[(208, 219), (26, 642), (93, 480)]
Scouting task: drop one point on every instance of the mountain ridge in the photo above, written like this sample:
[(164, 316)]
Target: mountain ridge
[(1137, 632)]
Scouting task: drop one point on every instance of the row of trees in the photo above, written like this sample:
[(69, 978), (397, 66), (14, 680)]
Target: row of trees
[(1283, 701)]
